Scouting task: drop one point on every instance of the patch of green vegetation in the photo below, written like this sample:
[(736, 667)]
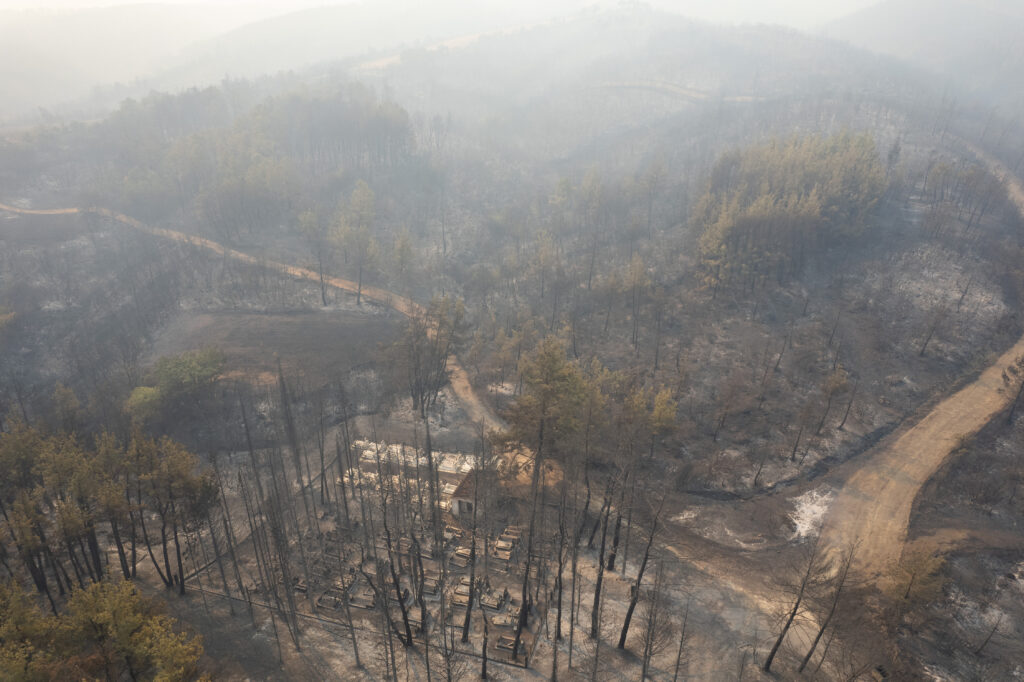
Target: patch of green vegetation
[(107, 631), (768, 208), (174, 381), (143, 403)]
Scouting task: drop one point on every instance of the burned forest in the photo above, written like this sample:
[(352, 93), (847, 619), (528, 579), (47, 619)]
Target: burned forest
[(611, 341)]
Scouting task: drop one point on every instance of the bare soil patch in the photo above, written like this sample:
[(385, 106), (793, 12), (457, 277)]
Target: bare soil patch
[(315, 344), (874, 506)]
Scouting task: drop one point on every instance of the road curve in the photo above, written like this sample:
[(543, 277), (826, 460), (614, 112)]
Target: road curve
[(873, 506), (476, 409)]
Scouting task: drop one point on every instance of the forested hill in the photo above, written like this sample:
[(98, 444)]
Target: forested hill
[(339, 32), (576, 87), (80, 63)]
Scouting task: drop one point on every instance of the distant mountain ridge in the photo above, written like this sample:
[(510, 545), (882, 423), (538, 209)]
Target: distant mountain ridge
[(49, 57), (976, 44), (337, 32)]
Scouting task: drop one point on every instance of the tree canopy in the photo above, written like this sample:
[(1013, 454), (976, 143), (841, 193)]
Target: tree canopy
[(175, 381), (108, 631), (768, 208)]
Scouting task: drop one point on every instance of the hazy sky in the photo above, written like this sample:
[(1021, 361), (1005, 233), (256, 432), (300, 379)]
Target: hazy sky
[(798, 13)]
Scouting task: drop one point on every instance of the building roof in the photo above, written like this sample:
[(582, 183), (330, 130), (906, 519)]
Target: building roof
[(466, 488)]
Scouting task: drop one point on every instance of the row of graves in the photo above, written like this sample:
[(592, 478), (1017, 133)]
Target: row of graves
[(496, 594), (342, 573)]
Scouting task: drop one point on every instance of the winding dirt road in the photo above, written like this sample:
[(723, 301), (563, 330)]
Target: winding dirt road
[(477, 410), (873, 506)]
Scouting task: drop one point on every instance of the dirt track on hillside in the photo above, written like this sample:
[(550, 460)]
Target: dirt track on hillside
[(477, 410), (873, 506)]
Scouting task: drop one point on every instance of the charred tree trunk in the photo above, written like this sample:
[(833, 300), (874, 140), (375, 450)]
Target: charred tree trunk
[(177, 551), (595, 617), (524, 607), (639, 578), (805, 583), (121, 556), (840, 584)]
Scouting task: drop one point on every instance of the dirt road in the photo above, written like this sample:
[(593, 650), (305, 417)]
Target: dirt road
[(476, 409), (873, 507)]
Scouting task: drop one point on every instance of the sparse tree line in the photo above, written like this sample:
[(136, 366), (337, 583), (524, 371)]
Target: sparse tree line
[(60, 491), (61, 500), (79, 510), (959, 196)]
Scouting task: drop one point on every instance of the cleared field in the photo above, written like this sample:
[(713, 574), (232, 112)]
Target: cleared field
[(315, 344)]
